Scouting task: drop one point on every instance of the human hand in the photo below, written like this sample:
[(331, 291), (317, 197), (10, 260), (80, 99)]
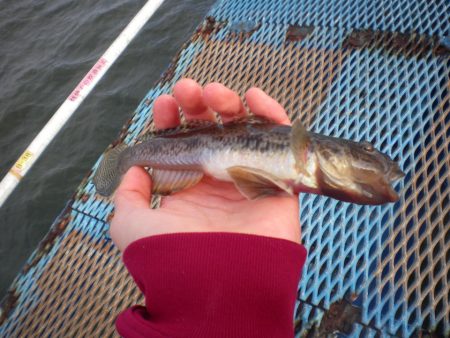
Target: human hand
[(211, 205)]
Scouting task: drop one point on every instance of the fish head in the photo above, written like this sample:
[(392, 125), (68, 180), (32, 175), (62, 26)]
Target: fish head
[(355, 171)]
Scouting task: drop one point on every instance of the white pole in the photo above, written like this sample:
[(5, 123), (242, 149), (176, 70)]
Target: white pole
[(81, 91)]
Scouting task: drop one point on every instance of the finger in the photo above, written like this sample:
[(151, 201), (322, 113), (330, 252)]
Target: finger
[(263, 105), (133, 192), (166, 112), (189, 95), (224, 101)]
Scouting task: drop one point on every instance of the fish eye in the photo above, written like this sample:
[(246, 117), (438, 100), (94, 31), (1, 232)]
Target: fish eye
[(367, 146)]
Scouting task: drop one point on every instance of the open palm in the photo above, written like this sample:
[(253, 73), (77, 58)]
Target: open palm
[(211, 205)]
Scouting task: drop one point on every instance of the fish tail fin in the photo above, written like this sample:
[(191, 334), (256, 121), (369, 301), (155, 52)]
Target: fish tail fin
[(108, 175)]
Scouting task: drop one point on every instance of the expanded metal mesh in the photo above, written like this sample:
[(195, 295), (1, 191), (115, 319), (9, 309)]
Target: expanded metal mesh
[(359, 69)]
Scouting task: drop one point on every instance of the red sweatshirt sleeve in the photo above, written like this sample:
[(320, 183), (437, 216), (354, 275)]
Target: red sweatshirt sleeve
[(213, 285)]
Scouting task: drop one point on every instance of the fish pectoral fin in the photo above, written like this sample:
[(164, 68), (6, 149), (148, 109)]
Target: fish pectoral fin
[(299, 144), (165, 182), (255, 183)]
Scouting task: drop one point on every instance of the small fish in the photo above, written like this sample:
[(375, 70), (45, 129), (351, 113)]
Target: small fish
[(260, 157)]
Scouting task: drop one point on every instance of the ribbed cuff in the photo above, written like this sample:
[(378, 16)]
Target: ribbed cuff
[(213, 285)]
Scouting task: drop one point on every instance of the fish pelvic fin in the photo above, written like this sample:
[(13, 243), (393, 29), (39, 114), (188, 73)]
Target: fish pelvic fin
[(165, 182), (299, 145), (255, 183), (108, 176)]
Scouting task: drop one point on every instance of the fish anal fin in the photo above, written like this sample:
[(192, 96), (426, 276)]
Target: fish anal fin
[(165, 182), (255, 183)]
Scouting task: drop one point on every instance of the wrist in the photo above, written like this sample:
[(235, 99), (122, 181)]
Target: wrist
[(209, 284)]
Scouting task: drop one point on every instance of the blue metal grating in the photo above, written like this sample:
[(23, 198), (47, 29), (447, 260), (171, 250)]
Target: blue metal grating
[(345, 69), (422, 16), (58, 291)]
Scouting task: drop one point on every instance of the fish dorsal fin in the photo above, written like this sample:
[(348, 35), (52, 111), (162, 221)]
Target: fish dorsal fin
[(250, 119), (196, 125), (255, 183), (299, 144), (188, 126), (165, 182)]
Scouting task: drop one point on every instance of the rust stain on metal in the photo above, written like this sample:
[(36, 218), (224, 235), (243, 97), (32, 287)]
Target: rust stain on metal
[(9, 302), (298, 33), (84, 198), (443, 47), (49, 240), (208, 27), (110, 217), (340, 317), (358, 39), (397, 43)]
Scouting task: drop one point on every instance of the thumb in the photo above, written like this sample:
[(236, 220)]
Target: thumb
[(134, 191)]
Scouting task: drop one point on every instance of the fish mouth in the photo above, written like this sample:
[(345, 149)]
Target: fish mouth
[(395, 174), (363, 186), (374, 191), (379, 188), (392, 195), (377, 193)]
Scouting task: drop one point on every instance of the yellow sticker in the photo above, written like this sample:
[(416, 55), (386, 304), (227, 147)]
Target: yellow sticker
[(21, 162)]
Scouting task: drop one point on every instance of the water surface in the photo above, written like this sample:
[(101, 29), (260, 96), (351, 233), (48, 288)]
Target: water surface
[(46, 47)]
